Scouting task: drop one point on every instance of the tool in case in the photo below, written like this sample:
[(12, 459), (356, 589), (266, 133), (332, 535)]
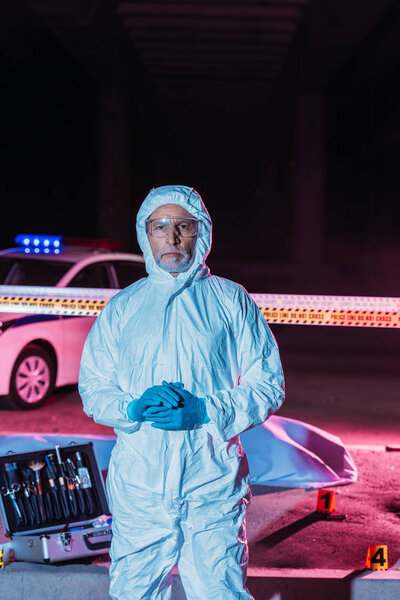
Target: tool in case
[(53, 504)]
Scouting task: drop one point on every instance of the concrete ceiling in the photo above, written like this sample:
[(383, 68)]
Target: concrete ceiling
[(178, 48), (228, 41)]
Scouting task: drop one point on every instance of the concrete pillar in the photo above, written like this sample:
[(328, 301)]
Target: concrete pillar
[(115, 218), (309, 180)]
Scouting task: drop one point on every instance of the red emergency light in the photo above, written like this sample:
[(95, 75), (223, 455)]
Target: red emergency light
[(105, 244)]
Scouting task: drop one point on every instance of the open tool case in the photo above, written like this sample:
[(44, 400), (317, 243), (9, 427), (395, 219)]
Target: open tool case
[(53, 504)]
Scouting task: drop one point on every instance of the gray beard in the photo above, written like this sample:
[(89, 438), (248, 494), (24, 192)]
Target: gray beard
[(179, 267)]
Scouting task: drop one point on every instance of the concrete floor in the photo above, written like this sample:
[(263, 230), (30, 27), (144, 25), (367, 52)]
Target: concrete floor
[(346, 382)]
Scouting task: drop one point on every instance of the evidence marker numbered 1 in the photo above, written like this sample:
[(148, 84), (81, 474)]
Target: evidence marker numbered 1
[(326, 501)]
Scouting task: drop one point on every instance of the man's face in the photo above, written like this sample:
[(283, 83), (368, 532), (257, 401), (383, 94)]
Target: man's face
[(173, 253)]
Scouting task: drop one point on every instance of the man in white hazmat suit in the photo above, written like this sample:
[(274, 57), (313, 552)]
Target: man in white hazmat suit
[(179, 364)]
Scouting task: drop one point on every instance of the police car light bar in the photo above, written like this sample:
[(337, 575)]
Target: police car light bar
[(348, 311), (39, 244)]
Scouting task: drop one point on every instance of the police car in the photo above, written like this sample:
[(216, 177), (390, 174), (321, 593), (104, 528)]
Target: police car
[(41, 352)]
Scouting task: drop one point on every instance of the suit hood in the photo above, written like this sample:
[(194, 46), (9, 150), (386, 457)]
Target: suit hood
[(191, 200)]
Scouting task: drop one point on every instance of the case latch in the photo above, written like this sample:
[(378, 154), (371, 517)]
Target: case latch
[(66, 540)]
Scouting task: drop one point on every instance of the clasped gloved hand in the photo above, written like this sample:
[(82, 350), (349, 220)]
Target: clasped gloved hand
[(190, 411), (156, 396)]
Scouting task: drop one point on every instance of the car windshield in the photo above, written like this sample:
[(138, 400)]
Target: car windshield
[(25, 271)]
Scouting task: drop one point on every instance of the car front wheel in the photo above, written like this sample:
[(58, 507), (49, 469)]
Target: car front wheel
[(32, 379)]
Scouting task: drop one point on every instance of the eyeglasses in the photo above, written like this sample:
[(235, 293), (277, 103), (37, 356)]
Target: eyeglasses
[(160, 227)]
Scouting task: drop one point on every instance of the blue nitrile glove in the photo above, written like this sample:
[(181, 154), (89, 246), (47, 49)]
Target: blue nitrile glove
[(191, 411), (152, 411), (158, 395)]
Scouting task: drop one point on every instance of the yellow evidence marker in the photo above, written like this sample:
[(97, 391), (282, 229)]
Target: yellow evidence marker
[(377, 558)]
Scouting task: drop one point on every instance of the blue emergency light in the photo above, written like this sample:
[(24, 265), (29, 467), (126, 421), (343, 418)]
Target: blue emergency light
[(39, 244)]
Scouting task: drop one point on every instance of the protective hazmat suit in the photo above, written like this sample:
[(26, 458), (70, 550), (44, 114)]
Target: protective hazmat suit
[(180, 496)]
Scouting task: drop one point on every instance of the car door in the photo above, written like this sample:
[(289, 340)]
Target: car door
[(128, 271), (76, 329)]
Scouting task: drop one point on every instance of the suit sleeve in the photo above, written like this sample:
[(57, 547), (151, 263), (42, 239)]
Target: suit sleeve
[(102, 396), (260, 388)]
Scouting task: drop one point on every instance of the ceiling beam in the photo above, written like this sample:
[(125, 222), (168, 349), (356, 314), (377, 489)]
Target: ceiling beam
[(191, 67), (211, 45), (212, 35), (232, 74), (218, 61), (213, 56), (228, 73), (217, 2), (207, 11), (220, 2), (151, 23), (166, 80), (175, 56)]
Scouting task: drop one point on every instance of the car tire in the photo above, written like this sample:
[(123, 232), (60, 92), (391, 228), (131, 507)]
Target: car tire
[(32, 379)]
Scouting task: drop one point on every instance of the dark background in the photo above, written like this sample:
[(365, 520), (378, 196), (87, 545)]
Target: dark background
[(289, 127), (88, 126)]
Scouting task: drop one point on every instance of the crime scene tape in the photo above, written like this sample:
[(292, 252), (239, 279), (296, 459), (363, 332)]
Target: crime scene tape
[(291, 309), (348, 311), (80, 302)]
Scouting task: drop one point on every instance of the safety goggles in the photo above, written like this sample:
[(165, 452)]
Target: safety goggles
[(185, 227)]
